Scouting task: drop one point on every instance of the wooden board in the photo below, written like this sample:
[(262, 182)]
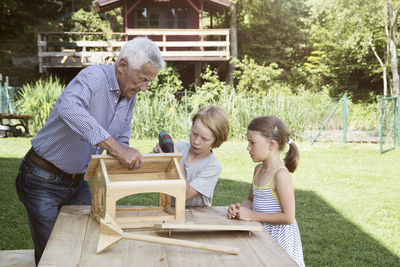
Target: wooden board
[(20, 258), (74, 240), (207, 227)]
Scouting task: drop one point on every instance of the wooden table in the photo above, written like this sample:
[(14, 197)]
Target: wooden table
[(23, 121), (73, 242)]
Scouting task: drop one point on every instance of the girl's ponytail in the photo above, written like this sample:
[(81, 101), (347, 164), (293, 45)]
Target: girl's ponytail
[(292, 157)]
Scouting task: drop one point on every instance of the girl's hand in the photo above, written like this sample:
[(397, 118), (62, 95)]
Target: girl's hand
[(244, 214), (233, 210), (157, 149)]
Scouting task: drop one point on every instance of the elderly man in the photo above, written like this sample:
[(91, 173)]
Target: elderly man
[(92, 114)]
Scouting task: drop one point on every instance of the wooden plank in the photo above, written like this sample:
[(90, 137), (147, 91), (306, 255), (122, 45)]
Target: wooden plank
[(178, 32), (193, 44), (113, 257), (116, 44), (221, 53), (137, 176), (20, 258), (208, 227), (153, 162), (67, 237), (15, 116)]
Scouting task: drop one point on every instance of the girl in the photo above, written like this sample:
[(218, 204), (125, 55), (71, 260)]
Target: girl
[(201, 168), (271, 198)]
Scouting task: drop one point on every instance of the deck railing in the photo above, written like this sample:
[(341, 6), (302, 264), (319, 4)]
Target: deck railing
[(80, 49)]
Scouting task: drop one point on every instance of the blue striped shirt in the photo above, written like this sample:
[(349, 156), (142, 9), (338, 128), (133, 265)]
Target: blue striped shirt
[(85, 114)]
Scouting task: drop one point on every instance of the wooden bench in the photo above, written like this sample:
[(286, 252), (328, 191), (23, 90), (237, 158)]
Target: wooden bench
[(23, 121), (20, 258)]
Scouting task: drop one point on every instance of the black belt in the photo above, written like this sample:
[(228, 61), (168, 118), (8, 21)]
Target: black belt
[(48, 166)]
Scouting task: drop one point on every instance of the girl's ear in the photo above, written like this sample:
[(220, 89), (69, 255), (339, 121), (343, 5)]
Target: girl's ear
[(273, 145)]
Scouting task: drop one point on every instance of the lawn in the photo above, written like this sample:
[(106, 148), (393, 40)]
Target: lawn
[(347, 199)]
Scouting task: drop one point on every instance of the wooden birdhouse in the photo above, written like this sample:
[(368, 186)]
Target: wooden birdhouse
[(160, 173)]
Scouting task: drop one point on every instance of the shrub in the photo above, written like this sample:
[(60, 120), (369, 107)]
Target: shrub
[(254, 79), (38, 99)]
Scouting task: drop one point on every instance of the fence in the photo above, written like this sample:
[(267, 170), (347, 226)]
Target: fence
[(389, 123), (7, 94), (345, 114)]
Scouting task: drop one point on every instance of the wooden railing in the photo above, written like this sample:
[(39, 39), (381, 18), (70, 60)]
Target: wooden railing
[(80, 49)]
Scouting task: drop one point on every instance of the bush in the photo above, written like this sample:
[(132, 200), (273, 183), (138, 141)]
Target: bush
[(163, 108), (158, 109), (254, 79), (38, 99)]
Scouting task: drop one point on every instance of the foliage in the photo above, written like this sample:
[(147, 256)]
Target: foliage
[(209, 91), (158, 109), (87, 21), (38, 99), (275, 30), (254, 79), (258, 92), (20, 23), (342, 57), (363, 116)]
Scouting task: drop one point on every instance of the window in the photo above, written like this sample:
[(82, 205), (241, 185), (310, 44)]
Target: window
[(171, 18)]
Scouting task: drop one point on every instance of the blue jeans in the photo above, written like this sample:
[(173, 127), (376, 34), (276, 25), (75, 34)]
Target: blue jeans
[(43, 193)]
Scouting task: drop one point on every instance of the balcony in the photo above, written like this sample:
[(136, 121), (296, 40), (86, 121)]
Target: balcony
[(81, 49)]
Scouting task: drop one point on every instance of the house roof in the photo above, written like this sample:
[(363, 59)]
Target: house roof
[(209, 5)]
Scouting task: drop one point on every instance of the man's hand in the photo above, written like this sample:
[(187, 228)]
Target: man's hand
[(128, 157)]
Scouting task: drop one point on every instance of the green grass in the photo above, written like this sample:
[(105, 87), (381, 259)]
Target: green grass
[(347, 199)]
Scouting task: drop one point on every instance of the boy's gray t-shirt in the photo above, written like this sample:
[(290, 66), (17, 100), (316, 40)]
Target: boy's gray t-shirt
[(202, 175)]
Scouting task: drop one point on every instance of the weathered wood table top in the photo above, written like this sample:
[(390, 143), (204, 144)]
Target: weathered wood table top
[(74, 239)]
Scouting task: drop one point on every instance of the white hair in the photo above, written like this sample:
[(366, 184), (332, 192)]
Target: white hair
[(139, 51)]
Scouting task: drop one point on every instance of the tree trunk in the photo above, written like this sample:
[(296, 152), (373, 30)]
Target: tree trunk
[(384, 67), (233, 43), (392, 45)]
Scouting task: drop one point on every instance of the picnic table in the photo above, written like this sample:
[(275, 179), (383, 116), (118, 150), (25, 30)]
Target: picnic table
[(74, 239), (23, 121)]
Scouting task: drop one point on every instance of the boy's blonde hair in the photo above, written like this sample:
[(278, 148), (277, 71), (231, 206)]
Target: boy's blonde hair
[(215, 119)]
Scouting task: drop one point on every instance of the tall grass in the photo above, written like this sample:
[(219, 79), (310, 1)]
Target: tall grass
[(163, 108), (38, 99)]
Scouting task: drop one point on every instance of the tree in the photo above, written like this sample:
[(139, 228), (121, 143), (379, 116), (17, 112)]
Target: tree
[(344, 33), (20, 22), (273, 31), (392, 45)]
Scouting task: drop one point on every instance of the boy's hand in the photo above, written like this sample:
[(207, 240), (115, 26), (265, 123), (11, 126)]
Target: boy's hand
[(157, 149)]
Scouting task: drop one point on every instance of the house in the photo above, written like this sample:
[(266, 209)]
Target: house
[(177, 27)]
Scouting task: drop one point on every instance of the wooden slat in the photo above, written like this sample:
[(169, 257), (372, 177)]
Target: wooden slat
[(115, 44), (67, 235), (113, 257), (203, 32), (20, 258), (208, 227), (218, 53), (153, 162), (137, 176)]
